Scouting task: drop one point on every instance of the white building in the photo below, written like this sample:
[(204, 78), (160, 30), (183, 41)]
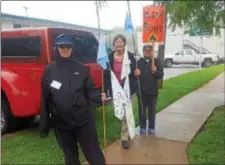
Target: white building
[(213, 44), (177, 40), (10, 21)]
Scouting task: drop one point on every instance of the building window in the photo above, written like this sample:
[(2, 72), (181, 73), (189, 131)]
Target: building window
[(26, 26), (189, 52), (21, 46), (17, 26)]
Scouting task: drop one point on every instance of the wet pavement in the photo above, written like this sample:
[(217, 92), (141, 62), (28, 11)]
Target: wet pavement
[(181, 120), (147, 150), (176, 126)]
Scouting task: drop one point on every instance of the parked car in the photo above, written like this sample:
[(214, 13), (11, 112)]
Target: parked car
[(221, 60), (189, 56), (25, 53)]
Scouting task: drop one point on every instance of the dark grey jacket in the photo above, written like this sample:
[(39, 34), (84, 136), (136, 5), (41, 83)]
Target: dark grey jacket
[(148, 81)]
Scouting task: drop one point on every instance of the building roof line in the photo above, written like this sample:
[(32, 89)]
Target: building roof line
[(6, 15)]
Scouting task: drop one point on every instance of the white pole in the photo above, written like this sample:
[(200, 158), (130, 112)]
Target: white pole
[(182, 41), (200, 55)]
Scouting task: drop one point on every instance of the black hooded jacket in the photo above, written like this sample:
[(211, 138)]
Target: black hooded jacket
[(66, 94)]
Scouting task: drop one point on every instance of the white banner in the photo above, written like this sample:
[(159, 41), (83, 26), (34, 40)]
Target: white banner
[(129, 110), (126, 65), (119, 97)]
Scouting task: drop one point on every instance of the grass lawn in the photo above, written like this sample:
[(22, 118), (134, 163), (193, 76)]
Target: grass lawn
[(29, 148), (208, 147)]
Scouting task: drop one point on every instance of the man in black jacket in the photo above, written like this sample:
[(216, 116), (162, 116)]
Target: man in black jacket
[(148, 76), (67, 95)]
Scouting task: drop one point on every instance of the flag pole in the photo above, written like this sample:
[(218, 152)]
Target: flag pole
[(103, 103), (153, 53), (135, 53), (103, 113)]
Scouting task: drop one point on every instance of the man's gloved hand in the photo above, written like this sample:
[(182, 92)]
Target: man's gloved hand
[(137, 72)]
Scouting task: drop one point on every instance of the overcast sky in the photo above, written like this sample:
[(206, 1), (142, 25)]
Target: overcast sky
[(78, 12)]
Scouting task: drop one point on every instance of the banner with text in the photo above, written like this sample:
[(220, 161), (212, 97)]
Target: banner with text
[(129, 110), (154, 18), (119, 97)]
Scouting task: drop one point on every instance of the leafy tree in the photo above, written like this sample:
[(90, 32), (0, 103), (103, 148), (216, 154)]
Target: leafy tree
[(207, 15)]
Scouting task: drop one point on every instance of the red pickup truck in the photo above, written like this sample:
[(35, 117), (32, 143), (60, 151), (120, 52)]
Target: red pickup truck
[(25, 53)]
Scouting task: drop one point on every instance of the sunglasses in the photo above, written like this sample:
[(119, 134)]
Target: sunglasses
[(148, 50), (65, 46)]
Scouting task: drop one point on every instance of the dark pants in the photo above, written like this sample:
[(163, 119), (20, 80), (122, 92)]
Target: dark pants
[(87, 138), (149, 102)]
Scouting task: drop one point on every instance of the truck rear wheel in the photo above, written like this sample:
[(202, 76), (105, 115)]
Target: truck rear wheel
[(207, 63), (8, 121), (25, 122), (168, 63)]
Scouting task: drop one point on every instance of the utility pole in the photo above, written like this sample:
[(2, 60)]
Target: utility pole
[(26, 10), (201, 52), (26, 13), (182, 41)]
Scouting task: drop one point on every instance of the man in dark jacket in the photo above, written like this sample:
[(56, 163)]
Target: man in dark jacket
[(66, 96), (148, 76)]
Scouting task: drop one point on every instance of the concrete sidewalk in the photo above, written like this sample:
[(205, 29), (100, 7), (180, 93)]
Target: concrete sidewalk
[(182, 120), (176, 125)]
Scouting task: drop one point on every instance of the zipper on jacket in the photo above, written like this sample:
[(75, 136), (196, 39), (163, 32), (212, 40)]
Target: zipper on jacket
[(146, 69), (69, 79)]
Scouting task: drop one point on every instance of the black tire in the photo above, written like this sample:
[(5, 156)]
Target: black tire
[(25, 122), (8, 121), (168, 63), (207, 63)]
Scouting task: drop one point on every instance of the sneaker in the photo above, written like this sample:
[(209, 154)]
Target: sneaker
[(142, 131), (125, 144), (151, 131)]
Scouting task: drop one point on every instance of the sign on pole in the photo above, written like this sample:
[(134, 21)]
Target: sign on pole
[(196, 31), (154, 30), (154, 24)]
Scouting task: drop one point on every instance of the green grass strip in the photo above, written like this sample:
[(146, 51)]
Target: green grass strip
[(208, 147)]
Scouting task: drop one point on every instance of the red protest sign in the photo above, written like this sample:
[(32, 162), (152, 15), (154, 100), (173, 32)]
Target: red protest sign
[(154, 24)]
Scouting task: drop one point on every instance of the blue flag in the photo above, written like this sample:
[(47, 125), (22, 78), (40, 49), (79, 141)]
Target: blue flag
[(102, 57), (128, 27)]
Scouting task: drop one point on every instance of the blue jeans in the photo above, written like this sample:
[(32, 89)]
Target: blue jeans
[(149, 102)]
